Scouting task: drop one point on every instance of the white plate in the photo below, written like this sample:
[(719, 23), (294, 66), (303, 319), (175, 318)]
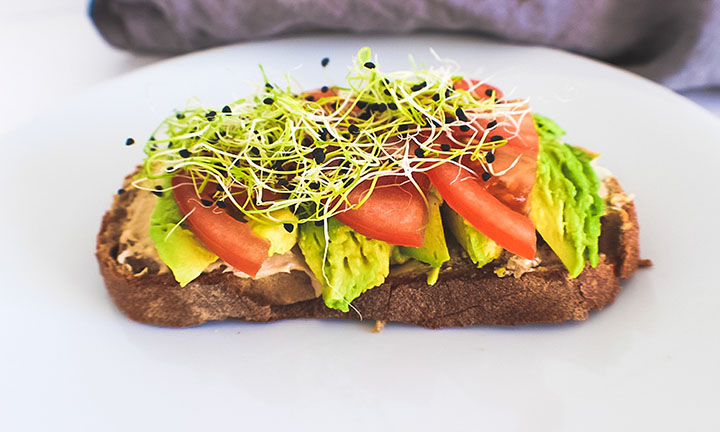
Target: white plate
[(648, 362)]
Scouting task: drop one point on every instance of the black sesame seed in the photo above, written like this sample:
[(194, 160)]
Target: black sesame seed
[(254, 151), (490, 158), (393, 106), (461, 114), (369, 65), (324, 89), (489, 92), (324, 62), (210, 115), (226, 109), (179, 116), (419, 152), (374, 107), (346, 135), (184, 153), (449, 119), (492, 124), (436, 97), (365, 115), (382, 107), (417, 87), (403, 127), (353, 129), (282, 182), (129, 141), (310, 98), (445, 147), (486, 176), (157, 193), (323, 134), (307, 141), (289, 227), (496, 138), (219, 188), (314, 185), (319, 155), (221, 204), (121, 191), (206, 202), (268, 101), (361, 104), (464, 128), (448, 92), (268, 86)]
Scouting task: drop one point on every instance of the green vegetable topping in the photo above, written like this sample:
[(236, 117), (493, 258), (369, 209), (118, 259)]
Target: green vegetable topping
[(312, 148), (479, 247), (280, 229), (434, 250), (177, 246), (566, 207), (345, 262)]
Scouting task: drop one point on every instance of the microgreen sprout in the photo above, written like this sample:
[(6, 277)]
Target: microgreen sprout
[(305, 151)]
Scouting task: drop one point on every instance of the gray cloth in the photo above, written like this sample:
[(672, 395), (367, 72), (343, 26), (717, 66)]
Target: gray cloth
[(675, 42)]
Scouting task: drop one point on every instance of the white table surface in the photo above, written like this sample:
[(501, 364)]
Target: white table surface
[(50, 51)]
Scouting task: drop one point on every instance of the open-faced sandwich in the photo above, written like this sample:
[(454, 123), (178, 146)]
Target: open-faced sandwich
[(412, 196)]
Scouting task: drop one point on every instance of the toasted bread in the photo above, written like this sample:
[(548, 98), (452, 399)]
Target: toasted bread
[(145, 290)]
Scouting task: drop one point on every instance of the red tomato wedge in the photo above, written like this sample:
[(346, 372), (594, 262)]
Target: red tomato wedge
[(231, 240), (520, 152), (516, 160), (395, 212), (480, 91), (464, 193)]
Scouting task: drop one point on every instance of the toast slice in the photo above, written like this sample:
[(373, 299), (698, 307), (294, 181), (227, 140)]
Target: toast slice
[(145, 290)]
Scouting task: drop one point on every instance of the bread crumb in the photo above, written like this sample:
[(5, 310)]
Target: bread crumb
[(379, 325)]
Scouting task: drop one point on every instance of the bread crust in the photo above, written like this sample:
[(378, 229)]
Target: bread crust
[(462, 296)]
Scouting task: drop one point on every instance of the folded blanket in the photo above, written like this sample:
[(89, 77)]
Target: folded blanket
[(676, 42)]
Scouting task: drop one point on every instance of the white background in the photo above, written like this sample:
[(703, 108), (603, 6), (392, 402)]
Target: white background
[(51, 51)]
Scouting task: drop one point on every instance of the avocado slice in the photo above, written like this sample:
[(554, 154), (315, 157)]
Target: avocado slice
[(566, 207), (279, 228), (346, 263), (434, 251), (479, 247), (177, 246)]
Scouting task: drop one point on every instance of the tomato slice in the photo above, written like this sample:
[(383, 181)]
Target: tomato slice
[(479, 90), (464, 192), (395, 212), (520, 152), (231, 240)]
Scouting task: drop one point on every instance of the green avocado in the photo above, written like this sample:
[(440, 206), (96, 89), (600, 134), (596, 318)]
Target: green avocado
[(280, 230), (479, 247), (566, 207), (346, 263), (434, 250), (177, 246)]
